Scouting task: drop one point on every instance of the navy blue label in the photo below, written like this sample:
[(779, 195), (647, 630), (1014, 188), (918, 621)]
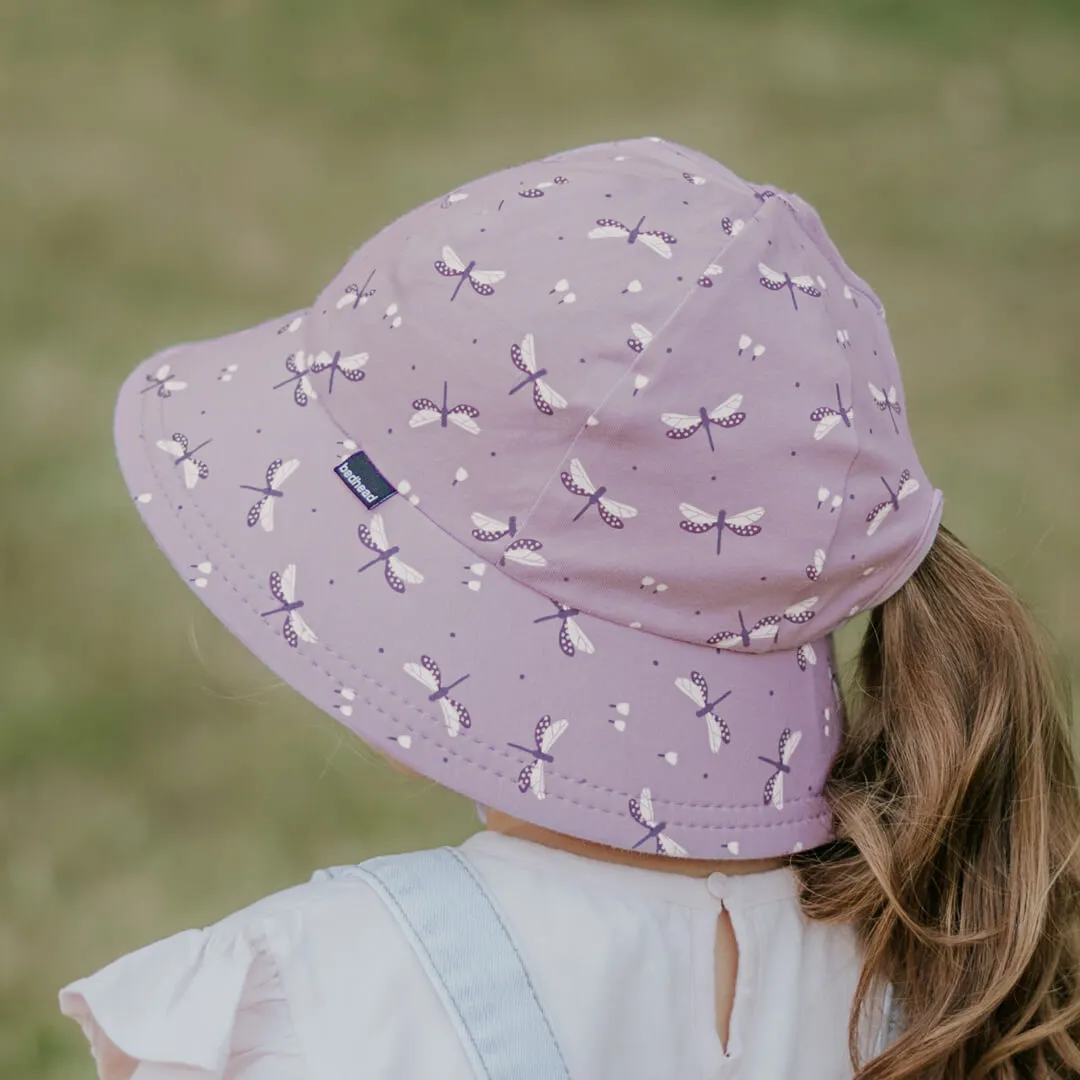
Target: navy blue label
[(364, 480)]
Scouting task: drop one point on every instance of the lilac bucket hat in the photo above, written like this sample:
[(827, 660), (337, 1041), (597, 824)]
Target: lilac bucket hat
[(556, 493)]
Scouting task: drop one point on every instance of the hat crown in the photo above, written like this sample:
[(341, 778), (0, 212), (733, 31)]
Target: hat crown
[(640, 385)]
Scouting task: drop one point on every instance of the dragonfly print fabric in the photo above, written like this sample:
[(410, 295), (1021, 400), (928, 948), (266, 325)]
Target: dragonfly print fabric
[(638, 443)]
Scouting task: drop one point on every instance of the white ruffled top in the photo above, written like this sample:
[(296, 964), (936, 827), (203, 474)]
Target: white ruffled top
[(318, 983)]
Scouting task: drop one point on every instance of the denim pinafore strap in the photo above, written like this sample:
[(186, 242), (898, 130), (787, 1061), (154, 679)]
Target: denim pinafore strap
[(461, 940)]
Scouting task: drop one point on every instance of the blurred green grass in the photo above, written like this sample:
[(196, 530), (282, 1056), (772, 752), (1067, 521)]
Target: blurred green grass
[(172, 171)]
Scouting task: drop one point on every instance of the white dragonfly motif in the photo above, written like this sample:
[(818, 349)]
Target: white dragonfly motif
[(521, 550), (826, 417), (162, 380), (544, 735), (262, 511), (766, 627), (300, 365), (577, 481), (908, 486), (655, 239), (707, 275), (537, 190), (777, 280), (397, 574), (641, 810), (725, 415), (482, 281), (774, 786), (194, 470), (697, 690), (351, 367), (887, 399), (427, 412), (357, 295), (701, 521), (639, 338), (427, 672), (572, 639), (814, 569), (283, 588), (545, 398)]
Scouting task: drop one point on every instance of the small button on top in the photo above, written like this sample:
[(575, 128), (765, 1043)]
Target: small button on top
[(717, 885)]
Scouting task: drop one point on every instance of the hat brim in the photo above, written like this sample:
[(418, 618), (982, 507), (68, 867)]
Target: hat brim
[(639, 763)]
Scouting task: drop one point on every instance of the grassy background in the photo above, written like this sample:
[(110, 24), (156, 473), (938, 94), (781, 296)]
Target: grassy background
[(175, 170)]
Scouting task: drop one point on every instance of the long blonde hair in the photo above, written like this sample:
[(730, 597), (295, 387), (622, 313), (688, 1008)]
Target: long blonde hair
[(957, 818)]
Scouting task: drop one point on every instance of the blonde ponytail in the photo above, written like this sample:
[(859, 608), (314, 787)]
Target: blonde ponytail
[(957, 817)]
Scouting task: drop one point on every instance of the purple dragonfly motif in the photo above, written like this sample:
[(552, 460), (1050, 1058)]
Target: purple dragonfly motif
[(572, 639), (162, 380), (427, 672), (805, 656), (655, 239), (538, 191), (611, 512), (641, 810), (781, 279), (684, 425), (482, 281), (193, 469), (262, 511), (908, 486), (887, 400), (396, 573), (427, 412), (357, 294), (766, 627), (521, 550), (299, 365), (283, 588), (696, 688), (545, 734), (524, 358), (701, 521), (827, 417), (774, 786)]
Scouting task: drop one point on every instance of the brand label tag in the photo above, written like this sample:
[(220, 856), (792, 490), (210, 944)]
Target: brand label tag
[(364, 480)]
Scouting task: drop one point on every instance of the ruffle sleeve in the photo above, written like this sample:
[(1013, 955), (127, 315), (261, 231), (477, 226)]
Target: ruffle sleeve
[(200, 1005)]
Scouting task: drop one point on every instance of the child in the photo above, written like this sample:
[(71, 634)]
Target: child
[(555, 495)]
